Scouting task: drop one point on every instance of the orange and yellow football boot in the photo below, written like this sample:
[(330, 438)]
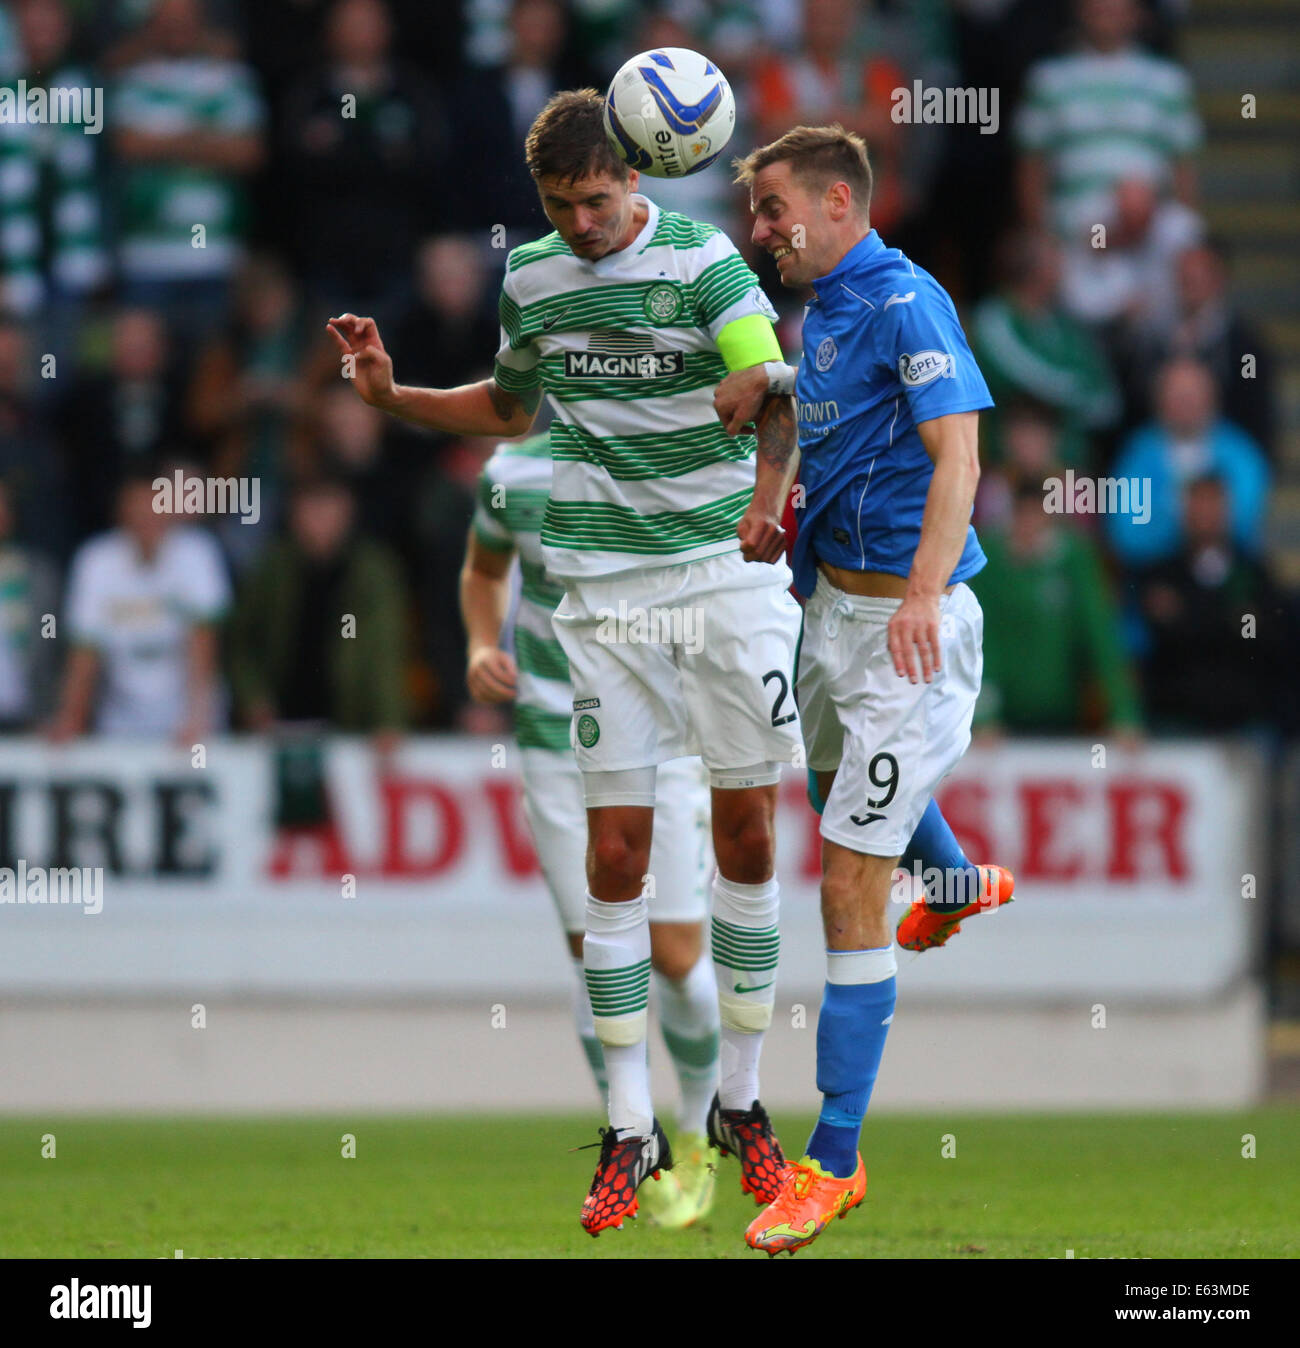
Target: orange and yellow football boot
[(925, 928), (809, 1199)]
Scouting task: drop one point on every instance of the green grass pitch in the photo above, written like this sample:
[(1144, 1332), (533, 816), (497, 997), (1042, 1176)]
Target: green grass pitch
[(1172, 1185)]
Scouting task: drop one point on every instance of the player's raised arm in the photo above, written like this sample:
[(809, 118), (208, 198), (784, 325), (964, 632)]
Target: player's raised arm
[(472, 409)]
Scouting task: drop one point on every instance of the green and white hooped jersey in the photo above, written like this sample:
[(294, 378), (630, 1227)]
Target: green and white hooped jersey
[(626, 348), (1101, 117), (512, 493), (161, 202)]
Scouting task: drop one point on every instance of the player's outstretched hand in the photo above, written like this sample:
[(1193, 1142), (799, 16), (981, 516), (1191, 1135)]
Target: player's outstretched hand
[(365, 361), (491, 676), (913, 633), (739, 398), (762, 539)]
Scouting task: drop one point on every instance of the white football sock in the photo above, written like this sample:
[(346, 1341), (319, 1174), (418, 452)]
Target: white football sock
[(746, 946), (616, 960)]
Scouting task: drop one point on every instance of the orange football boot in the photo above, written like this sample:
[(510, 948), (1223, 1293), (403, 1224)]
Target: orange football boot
[(925, 928), (809, 1199)]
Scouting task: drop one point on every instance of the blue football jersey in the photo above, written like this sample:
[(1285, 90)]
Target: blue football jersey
[(882, 351)]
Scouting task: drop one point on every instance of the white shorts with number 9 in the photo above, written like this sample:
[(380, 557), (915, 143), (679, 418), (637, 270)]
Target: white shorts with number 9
[(889, 741)]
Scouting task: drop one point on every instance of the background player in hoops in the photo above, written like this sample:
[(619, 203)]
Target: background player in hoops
[(628, 317), (888, 400)]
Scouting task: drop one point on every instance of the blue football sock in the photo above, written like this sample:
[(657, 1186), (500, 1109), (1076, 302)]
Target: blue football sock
[(851, 1034), (934, 847)]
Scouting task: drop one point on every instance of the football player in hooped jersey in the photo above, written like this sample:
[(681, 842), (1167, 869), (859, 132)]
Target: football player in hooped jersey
[(677, 623), (888, 398), (513, 489)]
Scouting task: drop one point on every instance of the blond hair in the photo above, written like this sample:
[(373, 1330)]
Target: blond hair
[(819, 156)]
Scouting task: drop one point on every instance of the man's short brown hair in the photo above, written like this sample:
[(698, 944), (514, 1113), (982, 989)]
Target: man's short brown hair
[(567, 140), (818, 156)]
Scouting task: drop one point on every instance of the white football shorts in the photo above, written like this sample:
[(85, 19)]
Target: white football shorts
[(889, 741), (683, 660)]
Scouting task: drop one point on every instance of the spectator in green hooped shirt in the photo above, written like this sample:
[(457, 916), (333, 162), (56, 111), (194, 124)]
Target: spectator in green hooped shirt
[(187, 126), (1029, 349), (1053, 661)]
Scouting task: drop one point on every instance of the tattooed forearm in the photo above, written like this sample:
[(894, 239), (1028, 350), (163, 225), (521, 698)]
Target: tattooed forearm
[(507, 405), (503, 403), (776, 435)]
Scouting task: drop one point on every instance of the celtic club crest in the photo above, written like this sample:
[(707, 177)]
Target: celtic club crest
[(663, 303)]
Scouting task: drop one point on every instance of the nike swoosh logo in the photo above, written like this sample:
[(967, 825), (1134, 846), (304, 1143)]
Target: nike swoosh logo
[(758, 987), (901, 299), (869, 818), (551, 320)]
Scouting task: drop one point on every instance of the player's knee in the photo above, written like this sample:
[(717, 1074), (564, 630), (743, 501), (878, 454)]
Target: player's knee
[(839, 890), (617, 865), (672, 964), (746, 850), (751, 868), (857, 891), (675, 948)]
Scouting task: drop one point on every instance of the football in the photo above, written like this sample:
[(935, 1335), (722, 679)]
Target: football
[(669, 112)]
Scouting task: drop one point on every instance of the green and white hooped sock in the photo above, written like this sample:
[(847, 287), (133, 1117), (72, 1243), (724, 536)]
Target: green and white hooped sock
[(616, 960), (586, 1028), (688, 1019), (746, 948)]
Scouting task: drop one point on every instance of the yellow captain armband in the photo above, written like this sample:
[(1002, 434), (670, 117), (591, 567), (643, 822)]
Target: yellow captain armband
[(749, 341)]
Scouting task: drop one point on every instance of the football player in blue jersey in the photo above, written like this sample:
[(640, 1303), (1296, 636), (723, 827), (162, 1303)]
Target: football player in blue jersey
[(888, 399)]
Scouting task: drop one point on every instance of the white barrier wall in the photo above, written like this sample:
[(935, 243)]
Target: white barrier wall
[(1129, 875)]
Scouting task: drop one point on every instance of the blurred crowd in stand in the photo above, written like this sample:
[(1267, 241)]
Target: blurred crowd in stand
[(263, 165)]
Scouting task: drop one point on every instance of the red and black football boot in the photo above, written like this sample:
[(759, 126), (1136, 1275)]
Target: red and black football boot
[(619, 1173), (747, 1134)]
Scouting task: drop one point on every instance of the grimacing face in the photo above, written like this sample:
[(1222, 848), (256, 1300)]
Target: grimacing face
[(593, 215), (790, 223)]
